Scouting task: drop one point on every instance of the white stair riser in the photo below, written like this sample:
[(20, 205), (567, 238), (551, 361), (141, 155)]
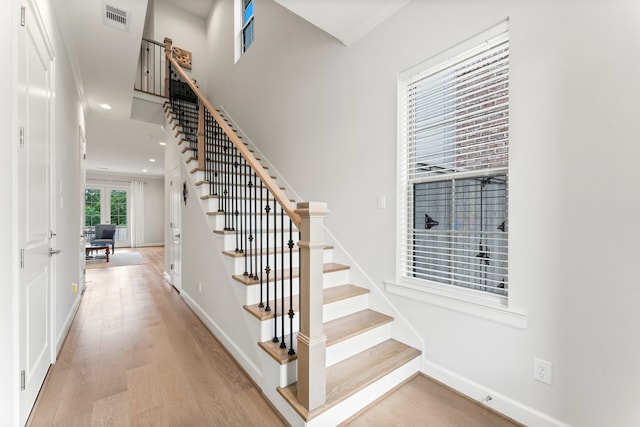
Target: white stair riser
[(267, 259), (350, 406), (230, 239), (354, 345), (252, 293), (263, 194), (335, 278), (267, 327), (217, 221), (344, 307), (252, 208)]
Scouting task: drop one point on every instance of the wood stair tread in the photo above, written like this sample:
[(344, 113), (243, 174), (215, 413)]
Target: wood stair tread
[(351, 375), (345, 327), (329, 295), (328, 267)]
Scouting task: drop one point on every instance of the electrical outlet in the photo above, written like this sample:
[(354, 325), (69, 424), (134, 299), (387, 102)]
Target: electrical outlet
[(74, 288), (542, 370), (382, 201), (200, 287)]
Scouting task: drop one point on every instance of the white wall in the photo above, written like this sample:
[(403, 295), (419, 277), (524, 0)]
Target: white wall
[(153, 201), (300, 95), (69, 123), (187, 31), (69, 118)]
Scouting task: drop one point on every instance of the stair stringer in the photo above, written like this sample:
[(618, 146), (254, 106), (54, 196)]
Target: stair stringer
[(402, 329)]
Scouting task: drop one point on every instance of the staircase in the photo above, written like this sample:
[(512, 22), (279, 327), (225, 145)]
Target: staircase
[(257, 228)]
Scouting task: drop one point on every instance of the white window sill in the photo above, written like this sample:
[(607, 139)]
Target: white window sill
[(479, 304)]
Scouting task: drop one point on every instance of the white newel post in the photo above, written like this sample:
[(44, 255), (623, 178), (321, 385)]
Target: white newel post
[(312, 341)]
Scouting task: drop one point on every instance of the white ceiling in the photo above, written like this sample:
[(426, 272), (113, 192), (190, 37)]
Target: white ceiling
[(199, 8), (104, 61), (346, 20)]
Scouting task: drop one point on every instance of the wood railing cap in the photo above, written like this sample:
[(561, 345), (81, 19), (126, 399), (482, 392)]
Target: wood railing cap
[(271, 184)]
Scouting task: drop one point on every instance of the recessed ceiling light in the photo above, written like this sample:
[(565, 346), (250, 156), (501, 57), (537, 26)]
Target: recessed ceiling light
[(144, 170), (152, 160), (105, 106), (162, 143)]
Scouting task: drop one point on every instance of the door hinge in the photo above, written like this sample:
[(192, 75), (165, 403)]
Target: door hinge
[(22, 16), (21, 136), (23, 380), (84, 157), (171, 266), (22, 259)]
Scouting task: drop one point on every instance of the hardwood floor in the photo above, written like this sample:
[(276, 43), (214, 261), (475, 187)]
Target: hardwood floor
[(137, 356), (425, 402)]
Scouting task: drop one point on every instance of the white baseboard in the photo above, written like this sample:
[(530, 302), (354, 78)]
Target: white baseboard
[(148, 245), (67, 323), (230, 345), (166, 277), (503, 404)]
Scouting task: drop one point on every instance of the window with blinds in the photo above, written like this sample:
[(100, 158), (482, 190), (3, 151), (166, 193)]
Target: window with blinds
[(454, 157)]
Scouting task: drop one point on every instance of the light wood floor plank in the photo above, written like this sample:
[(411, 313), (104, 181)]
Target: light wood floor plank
[(136, 355), (425, 402)]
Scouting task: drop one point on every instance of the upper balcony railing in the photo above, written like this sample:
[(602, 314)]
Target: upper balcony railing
[(150, 76)]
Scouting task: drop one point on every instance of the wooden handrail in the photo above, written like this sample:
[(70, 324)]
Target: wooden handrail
[(269, 182)]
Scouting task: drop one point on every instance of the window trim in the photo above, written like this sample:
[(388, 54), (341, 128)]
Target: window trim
[(470, 301)]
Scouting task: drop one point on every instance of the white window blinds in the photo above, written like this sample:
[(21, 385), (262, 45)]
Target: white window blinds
[(454, 120)]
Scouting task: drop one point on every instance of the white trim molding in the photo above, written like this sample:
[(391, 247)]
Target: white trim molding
[(462, 300), (498, 402)]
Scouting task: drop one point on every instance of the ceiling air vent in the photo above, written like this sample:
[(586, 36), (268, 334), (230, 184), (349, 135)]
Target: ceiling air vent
[(116, 17)]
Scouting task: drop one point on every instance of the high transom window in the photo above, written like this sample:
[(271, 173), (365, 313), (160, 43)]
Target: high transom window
[(247, 24), (453, 165)]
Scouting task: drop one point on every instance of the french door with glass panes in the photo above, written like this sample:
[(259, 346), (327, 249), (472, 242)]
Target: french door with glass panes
[(107, 205)]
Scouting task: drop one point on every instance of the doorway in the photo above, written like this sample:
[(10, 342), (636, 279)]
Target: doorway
[(107, 204)]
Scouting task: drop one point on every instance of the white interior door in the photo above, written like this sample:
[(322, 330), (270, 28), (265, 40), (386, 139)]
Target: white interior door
[(176, 230), (34, 200)]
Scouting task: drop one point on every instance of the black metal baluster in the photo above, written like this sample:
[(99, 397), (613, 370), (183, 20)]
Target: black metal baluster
[(267, 269), (275, 275), (282, 343), (255, 225), (291, 314), (250, 246), (227, 182), (243, 241), (260, 231), (236, 196)]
